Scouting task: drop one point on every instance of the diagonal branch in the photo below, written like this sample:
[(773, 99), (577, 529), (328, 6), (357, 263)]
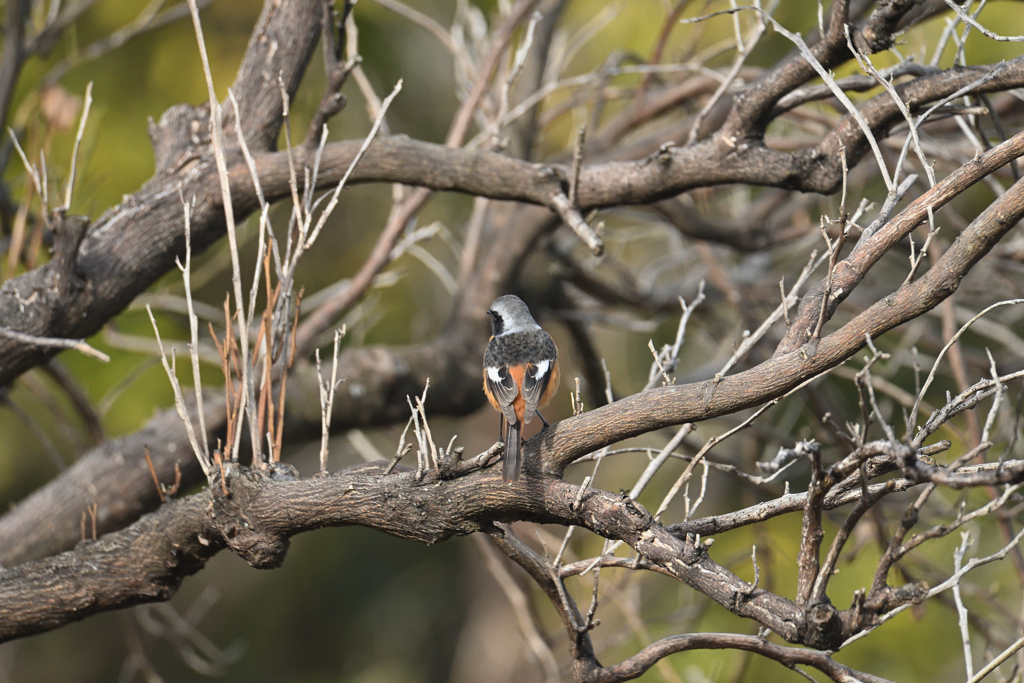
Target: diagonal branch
[(136, 242), (672, 405)]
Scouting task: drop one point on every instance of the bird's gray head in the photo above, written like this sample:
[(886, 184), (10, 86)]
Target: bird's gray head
[(509, 314)]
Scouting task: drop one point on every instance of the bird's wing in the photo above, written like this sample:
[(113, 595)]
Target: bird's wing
[(503, 388), (535, 381)]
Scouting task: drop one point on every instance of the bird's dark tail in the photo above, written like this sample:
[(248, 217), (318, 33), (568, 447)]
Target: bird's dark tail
[(513, 458)]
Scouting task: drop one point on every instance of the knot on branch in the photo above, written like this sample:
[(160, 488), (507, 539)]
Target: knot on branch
[(69, 231), (664, 154), (181, 137), (449, 462), (866, 610), (889, 598), (693, 550), (822, 627), (282, 471), (235, 513), (802, 449), (639, 515)]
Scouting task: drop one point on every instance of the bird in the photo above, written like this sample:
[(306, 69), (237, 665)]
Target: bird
[(520, 374)]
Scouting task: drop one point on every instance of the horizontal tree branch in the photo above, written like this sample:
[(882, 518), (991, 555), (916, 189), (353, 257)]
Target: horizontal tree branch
[(135, 243), (377, 381), (787, 656), (115, 478), (366, 365), (142, 557), (147, 561)]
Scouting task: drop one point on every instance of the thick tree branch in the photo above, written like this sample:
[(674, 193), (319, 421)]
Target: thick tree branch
[(554, 449), (698, 401), (115, 268), (149, 559), (115, 477), (95, 273), (280, 48), (263, 509), (135, 243)]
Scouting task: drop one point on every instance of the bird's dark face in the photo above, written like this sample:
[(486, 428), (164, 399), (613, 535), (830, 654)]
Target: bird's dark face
[(497, 323), (509, 315)]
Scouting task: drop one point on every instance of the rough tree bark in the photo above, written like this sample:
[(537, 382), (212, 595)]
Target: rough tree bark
[(635, 156)]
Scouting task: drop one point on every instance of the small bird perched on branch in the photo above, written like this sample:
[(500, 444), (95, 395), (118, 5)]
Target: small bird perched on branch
[(520, 373)]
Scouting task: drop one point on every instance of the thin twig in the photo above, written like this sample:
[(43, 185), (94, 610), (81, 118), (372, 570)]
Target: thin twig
[(327, 398), (78, 141), (999, 659), (152, 473), (572, 217), (76, 344), (193, 324), (247, 397), (961, 611), (577, 163), (179, 402), (325, 214)]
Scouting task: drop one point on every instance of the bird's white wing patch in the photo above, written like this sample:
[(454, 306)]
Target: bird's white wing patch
[(542, 369), (503, 390), (534, 384)]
